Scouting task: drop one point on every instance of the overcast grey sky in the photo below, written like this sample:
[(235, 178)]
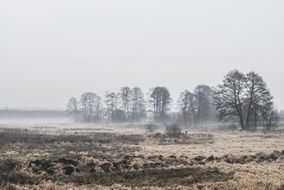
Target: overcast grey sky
[(52, 50)]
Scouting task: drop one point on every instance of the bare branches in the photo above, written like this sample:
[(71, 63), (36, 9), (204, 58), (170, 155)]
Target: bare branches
[(246, 99), (160, 99)]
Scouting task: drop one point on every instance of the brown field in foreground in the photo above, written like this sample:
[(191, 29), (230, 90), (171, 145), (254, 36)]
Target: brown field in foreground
[(73, 156)]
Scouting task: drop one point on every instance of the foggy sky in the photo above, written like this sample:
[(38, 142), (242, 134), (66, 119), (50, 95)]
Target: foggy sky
[(52, 50)]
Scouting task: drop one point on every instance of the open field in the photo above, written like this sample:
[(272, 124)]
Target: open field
[(80, 156)]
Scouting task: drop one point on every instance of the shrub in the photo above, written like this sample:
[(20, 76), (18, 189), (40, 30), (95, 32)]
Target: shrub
[(151, 127), (173, 130)]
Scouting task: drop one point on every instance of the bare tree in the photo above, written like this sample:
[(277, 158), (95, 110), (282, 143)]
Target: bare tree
[(72, 108), (125, 96), (258, 99), (246, 99), (138, 110), (160, 100), (188, 106), (90, 107), (111, 105), (229, 98), (204, 98)]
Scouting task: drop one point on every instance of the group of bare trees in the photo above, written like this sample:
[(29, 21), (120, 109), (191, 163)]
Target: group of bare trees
[(242, 99), (126, 105), (129, 105), (245, 99), (160, 99), (198, 106), (89, 109)]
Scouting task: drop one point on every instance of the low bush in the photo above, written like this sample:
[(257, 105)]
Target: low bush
[(151, 127), (173, 130)]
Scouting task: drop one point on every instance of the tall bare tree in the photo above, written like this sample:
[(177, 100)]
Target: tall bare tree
[(138, 109), (258, 99), (90, 105), (204, 98), (229, 98), (246, 99), (111, 105), (125, 96), (72, 108), (160, 100), (188, 107)]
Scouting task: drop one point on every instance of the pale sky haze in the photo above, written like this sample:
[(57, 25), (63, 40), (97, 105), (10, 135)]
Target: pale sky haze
[(52, 50)]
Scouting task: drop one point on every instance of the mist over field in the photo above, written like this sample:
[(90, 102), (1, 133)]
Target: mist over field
[(141, 95)]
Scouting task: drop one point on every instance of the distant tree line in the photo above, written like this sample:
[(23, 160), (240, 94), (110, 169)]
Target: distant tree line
[(128, 105), (241, 99)]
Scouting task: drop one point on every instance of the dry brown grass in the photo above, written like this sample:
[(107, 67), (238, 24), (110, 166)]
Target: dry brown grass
[(50, 186), (108, 144), (237, 143)]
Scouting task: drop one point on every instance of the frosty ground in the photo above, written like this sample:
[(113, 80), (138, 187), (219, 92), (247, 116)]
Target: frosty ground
[(63, 155)]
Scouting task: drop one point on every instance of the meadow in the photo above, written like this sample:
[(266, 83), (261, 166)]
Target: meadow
[(64, 155)]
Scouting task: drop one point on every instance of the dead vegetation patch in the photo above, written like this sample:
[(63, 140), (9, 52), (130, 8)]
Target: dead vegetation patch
[(18, 135), (183, 138), (105, 172), (129, 170), (163, 177), (29, 159)]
